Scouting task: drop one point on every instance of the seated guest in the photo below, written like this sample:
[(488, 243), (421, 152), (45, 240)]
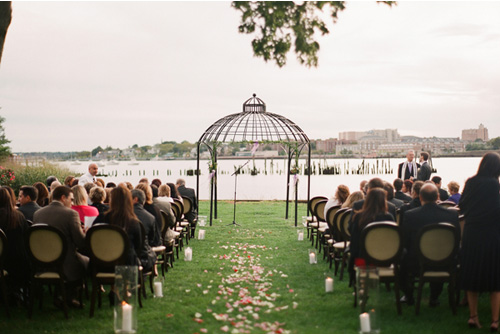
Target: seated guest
[(398, 194), (147, 219), (162, 203), (12, 195), (353, 197), (27, 199), (43, 194), (97, 197), (99, 182), (17, 264), (414, 203), (69, 180), (390, 195), (362, 186), (86, 213), (156, 182), (373, 184), (49, 181), (443, 194), (87, 186), (189, 193), (164, 193), (144, 180), (59, 214), (110, 185), (374, 209), (407, 185), (150, 207), (454, 187), (121, 213), (414, 220), (341, 195), (174, 193)]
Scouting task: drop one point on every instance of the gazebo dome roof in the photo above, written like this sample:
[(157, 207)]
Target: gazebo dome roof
[(254, 124)]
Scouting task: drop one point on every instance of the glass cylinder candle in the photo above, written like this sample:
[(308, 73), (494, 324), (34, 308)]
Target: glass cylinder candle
[(125, 291), (367, 287)]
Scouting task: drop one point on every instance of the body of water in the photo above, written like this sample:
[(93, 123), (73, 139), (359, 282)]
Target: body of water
[(270, 182)]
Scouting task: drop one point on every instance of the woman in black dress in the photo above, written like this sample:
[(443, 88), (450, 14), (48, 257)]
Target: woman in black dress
[(480, 257)]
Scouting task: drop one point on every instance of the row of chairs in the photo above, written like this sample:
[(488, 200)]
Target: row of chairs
[(108, 246), (381, 246)]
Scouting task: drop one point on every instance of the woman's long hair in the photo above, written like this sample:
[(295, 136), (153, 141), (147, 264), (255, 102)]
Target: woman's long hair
[(342, 193), (173, 191), (43, 193), (121, 208), (489, 165), (375, 203), (10, 218)]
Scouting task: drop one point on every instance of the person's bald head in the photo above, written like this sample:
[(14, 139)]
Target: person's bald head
[(429, 193), (93, 168)]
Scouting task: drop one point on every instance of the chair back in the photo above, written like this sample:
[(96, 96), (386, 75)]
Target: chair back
[(330, 218), (437, 246), (398, 215), (108, 246), (177, 210), (188, 204), (47, 247), (319, 210), (447, 204), (313, 201), (343, 224), (381, 243)]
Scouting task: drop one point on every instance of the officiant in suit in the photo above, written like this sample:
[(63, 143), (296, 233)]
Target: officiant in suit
[(408, 170)]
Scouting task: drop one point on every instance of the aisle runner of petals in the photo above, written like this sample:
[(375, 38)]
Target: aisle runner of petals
[(245, 293)]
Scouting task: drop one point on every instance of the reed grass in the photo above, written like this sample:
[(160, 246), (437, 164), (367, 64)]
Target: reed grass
[(195, 291)]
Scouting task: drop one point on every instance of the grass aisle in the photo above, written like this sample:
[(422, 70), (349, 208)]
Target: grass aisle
[(253, 278)]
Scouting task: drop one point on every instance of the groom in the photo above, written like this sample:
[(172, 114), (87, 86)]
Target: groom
[(408, 170)]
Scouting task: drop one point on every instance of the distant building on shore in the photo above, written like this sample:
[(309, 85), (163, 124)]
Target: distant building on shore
[(387, 135), (471, 135)]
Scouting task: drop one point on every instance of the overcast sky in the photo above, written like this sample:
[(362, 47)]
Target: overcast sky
[(75, 75)]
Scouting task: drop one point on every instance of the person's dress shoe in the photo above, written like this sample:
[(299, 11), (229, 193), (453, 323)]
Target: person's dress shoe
[(473, 322), (407, 300), (494, 327)]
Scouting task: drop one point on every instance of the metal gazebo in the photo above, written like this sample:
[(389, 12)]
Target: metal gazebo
[(254, 125)]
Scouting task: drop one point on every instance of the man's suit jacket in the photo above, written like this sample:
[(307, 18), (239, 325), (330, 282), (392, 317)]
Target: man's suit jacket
[(189, 193), (414, 203), (29, 209), (402, 196), (443, 194), (407, 171), (149, 223), (415, 219), (424, 172), (68, 221)]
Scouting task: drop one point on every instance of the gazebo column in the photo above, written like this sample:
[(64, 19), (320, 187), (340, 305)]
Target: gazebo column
[(288, 181)]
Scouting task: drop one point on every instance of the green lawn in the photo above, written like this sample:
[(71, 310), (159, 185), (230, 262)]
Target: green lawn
[(256, 278)]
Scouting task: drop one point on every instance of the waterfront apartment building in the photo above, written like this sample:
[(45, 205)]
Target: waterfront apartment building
[(390, 135), (471, 135)]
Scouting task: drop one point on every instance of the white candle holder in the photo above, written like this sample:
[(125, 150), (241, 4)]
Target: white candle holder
[(367, 286), (329, 282), (313, 258), (158, 287), (300, 234), (125, 291), (201, 234), (202, 220), (304, 221), (188, 254)]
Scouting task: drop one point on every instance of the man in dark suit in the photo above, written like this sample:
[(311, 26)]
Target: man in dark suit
[(398, 194), (60, 215), (153, 236), (443, 194), (414, 220), (408, 170), (415, 201), (390, 196), (425, 170), (27, 199), (189, 193)]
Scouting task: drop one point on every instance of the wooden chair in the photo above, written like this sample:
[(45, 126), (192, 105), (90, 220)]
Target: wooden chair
[(319, 223), (170, 245), (311, 220), (381, 246), (47, 248), (326, 238), (341, 247), (108, 247), (177, 211), (437, 249), (143, 274), (188, 207), (3, 273), (160, 251), (447, 204)]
